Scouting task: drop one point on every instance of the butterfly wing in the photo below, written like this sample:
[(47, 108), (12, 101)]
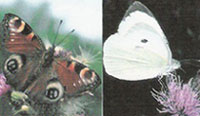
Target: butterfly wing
[(21, 49), (18, 37), (139, 50), (62, 78), (76, 77)]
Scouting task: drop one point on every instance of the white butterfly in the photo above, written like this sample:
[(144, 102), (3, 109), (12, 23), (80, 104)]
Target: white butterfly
[(139, 50)]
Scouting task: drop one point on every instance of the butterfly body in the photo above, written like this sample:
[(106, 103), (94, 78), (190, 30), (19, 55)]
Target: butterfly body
[(31, 68), (139, 50)]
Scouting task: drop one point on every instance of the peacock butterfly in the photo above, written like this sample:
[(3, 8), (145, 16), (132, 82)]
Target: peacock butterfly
[(32, 69)]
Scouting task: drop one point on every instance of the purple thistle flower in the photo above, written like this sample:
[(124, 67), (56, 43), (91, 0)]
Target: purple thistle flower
[(75, 106), (62, 53), (177, 98), (3, 86)]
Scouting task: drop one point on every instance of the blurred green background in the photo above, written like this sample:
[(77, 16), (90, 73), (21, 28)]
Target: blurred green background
[(45, 25)]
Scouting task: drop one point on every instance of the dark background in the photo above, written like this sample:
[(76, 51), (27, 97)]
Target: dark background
[(180, 21)]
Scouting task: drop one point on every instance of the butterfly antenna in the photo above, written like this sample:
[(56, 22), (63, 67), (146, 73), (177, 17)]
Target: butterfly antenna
[(66, 37), (57, 33), (182, 69), (193, 62)]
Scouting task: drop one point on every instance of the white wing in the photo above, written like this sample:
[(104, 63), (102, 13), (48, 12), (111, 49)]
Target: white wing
[(139, 50)]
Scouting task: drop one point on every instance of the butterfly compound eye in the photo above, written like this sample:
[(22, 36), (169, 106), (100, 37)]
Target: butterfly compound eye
[(54, 91), (13, 63)]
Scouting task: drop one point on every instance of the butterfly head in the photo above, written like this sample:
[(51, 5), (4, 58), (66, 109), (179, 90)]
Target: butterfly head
[(49, 53)]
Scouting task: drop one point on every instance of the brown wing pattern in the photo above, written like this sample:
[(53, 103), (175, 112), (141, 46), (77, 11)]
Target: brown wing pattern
[(63, 77), (22, 50), (23, 76), (75, 77), (18, 36)]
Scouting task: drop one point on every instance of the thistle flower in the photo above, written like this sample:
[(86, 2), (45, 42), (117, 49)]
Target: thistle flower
[(3, 86), (59, 51), (86, 55), (75, 107), (177, 98)]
